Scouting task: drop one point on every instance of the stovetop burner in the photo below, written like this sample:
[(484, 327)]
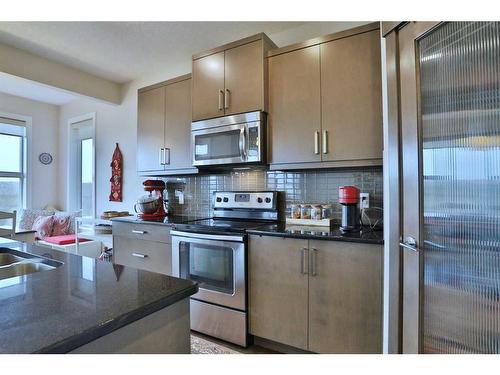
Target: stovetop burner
[(220, 225)]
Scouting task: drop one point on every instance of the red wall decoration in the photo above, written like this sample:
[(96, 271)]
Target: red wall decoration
[(116, 176)]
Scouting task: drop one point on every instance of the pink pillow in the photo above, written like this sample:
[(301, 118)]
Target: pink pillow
[(43, 226), (62, 225), (65, 240)]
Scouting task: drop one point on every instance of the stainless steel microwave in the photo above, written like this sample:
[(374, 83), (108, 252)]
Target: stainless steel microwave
[(236, 139)]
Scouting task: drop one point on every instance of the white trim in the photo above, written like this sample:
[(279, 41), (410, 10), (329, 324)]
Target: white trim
[(28, 120), (75, 120)]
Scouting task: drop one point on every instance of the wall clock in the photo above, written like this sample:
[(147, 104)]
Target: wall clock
[(45, 158)]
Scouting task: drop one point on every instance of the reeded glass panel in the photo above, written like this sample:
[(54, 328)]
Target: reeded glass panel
[(460, 108)]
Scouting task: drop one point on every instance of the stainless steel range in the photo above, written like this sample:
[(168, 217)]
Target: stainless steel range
[(213, 252)]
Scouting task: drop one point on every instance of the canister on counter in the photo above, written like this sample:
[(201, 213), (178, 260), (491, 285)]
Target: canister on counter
[(327, 211), (295, 208), (305, 211), (316, 212)]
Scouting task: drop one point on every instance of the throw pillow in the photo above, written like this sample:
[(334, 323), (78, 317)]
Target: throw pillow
[(28, 216), (43, 226), (62, 225), (72, 216)]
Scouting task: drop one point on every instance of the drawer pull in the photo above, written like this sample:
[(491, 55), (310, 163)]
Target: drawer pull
[(139, 255), (139, 231)]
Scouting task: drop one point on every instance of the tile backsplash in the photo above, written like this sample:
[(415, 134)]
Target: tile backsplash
[(314, 186)]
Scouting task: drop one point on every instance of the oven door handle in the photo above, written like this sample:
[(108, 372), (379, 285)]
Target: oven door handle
[(216, 237)]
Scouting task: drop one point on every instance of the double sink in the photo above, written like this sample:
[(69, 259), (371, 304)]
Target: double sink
[(17, 263)]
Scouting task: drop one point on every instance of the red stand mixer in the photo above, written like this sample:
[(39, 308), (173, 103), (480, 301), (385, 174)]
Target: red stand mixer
[(151, 206)]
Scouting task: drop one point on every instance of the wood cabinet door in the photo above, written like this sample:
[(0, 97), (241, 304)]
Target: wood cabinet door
[(150, 129), (208, 87), (294, 106), (278, 289), (178, 125), (351, 98), (244, 78), (345, 297)]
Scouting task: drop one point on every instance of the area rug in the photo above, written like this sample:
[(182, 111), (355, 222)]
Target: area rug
[(201, 346)]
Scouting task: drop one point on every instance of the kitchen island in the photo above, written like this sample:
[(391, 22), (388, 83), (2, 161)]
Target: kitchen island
[(83, 305)]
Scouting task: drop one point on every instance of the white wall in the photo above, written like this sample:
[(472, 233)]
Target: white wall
[(117, 123), (44, 136)]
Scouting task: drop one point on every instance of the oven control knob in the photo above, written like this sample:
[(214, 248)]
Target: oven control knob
[(268, 200), (226, 199), (259, 200), (219, 199)]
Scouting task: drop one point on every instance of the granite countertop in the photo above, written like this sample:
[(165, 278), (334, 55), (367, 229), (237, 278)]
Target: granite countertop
[(58, 310), (319, 233), (166, 221)]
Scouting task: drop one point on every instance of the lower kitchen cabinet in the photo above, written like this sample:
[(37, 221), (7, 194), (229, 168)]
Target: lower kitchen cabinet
[(143, 246), (321, 296), (278, 290), (345, 297)]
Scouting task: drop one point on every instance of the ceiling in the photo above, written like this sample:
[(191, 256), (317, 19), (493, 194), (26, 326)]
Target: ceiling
[(125, 51), (24, 88)]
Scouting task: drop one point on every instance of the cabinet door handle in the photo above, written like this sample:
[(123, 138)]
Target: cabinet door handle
[(325, 141), (221, 99), (139, 255), (166, 157), (303, 260), (139, 231), (160, 156), (226, 99), (313, 262), (316, 142)]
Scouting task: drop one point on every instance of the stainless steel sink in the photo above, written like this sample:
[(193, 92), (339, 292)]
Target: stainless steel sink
[(21, 269), (6, 259), (17, 263)]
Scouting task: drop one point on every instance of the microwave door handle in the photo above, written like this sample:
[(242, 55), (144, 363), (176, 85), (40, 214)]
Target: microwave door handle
[(242, 144)]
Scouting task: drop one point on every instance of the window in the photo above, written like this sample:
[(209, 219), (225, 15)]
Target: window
[(81, 186), (12, 164)]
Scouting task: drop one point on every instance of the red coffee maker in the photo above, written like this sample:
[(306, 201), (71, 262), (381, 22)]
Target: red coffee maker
[(351, 217)]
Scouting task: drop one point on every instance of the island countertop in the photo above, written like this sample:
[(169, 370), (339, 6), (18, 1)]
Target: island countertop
[(59, 310)]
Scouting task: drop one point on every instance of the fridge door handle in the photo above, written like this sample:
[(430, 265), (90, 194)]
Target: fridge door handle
[(410, 243)]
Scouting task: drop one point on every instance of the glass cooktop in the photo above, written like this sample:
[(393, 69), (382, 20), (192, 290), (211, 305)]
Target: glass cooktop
[(220, 225)]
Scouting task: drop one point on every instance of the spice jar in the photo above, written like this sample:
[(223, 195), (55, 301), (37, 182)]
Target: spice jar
[(326, 211), (305, 211), (316, 212), (295, 211)]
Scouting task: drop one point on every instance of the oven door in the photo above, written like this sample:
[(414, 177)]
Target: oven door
[(215, 262), (220, 145)]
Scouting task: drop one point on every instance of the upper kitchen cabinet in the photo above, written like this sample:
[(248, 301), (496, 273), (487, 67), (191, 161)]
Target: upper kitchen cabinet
[(231, 79), (295, 106), (208, 86), (150, 129), (164, 128), (351, 98), (325, 101)]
